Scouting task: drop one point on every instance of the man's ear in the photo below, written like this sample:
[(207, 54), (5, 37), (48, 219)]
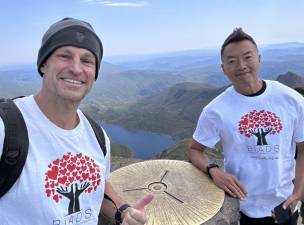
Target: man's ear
[(223, 68), (42, 68), (259, 58)]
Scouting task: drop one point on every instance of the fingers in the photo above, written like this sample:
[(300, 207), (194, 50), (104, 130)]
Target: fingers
[(287, 203), (240, 189), (140, 205), (291, 203), (229, 184), (136, 214), (134, 217), (236, 191), (227, 190), (273, 216)]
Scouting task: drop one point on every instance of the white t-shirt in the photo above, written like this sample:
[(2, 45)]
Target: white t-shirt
[(63, 179), (258, 136)]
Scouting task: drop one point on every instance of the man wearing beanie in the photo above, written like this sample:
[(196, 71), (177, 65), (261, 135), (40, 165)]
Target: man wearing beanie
[(65, 176)]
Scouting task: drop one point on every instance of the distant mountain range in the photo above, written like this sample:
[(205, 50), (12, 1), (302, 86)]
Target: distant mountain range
[(174, 111), (198, 59), (291, 79), (133, 78), (18, 81), (144, 76), (163, 93)]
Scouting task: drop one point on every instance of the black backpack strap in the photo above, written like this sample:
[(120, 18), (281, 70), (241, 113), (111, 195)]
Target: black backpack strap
[(98, 133), (15, 146), (102, 142), (110, 199)]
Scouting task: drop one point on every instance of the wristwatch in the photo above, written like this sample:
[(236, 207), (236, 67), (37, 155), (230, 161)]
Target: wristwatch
[(211, 165), (119, 211)]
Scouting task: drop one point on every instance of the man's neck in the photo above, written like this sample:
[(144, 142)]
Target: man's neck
[(259, 92), (251, 89), (62, 114)]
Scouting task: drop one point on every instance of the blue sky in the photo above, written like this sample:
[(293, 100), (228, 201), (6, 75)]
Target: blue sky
[(153, 26)]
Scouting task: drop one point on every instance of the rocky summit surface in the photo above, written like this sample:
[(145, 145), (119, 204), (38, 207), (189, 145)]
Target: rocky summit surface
[(229, 212)]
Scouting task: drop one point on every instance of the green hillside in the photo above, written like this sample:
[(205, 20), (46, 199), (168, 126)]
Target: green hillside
[(174, 111)]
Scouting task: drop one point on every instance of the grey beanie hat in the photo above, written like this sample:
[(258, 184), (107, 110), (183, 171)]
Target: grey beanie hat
[(70, 32)]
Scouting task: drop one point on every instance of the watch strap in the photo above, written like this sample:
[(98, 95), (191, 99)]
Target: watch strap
[(211, 165), (119, 212)]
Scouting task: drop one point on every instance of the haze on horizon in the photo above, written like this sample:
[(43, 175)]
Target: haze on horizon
[(132, 27)]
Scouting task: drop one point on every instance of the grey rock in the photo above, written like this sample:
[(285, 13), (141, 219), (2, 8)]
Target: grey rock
[(228, 214)]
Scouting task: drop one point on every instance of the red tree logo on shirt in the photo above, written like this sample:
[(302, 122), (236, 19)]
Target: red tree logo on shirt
[(259, 124), (69, 177)]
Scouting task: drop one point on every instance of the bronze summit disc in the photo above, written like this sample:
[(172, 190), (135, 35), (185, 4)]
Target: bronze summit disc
[(183, 194)]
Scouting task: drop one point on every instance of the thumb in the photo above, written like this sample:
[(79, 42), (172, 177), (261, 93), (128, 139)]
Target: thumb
[(140, 204), (288, 202), (291, 203)]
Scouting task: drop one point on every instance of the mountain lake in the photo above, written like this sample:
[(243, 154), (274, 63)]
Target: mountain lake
[(145, 145)]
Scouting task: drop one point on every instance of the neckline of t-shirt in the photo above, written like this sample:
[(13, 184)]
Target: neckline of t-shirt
[(253, 98), (259, 92), (50, 125)]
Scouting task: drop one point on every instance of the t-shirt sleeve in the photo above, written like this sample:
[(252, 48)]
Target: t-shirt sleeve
[(107, 156), (2, 136), (206, 132), (299, 127)]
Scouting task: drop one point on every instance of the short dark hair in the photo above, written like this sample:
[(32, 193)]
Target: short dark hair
[(236, 36), (300, 90)]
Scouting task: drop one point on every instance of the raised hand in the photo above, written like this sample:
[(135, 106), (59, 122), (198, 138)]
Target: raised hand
[(136, 215)]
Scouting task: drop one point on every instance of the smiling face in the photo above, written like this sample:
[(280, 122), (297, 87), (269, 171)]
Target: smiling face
[(241, 62), (68, 74)]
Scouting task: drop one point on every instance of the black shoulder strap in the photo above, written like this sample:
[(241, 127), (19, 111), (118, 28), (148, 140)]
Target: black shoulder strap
[(15, 146), (102, 142), (16, 143), (98, 133)]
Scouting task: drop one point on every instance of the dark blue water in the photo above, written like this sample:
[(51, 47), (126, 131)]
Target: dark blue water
[(144, 144)]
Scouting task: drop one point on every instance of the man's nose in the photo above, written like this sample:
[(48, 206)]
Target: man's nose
[(241, 64), (75, 66)]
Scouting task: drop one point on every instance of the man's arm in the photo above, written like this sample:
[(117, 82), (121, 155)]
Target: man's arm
[(132, 215), (298, 190), (223, 180), (108, 209)]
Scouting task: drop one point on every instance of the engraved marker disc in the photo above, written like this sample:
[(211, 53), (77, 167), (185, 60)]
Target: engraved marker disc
[(183, 194)]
